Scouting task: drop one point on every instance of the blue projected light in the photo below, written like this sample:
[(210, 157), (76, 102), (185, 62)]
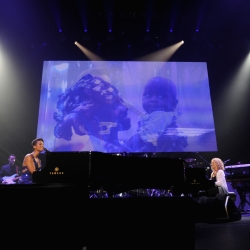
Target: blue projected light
[(124, 106)]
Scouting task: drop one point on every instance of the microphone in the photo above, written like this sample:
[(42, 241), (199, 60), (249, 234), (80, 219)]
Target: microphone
[(226, 161), (46, 150)]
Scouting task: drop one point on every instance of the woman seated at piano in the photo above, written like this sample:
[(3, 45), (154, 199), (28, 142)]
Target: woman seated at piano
[(31, 162), (218, 175)]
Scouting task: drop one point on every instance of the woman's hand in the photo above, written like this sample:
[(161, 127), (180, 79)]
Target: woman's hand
[(24, 170), (213, 174)]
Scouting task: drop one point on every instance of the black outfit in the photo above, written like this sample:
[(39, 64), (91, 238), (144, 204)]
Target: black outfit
[(9, 170), (213, 191)]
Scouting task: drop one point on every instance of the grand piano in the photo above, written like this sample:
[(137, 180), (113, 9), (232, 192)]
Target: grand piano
[(70, 220), (117, 173)]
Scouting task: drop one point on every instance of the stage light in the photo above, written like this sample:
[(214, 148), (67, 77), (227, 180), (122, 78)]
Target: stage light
[(89, 54), (235, 96), (163, 54)]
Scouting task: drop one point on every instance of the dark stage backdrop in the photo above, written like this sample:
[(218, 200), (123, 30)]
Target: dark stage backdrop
[(29, 36)]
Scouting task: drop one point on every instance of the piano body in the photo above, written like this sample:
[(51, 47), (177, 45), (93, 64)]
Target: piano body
[(116, 173), (69, 216), (197, 181), (239, 176)]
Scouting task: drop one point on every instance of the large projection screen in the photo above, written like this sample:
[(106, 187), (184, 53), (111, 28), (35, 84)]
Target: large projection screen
[(125, 106)]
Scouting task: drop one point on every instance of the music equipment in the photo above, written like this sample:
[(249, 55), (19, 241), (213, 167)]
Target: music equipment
[(117, 173), (114, 173), (239, 176), (197, 181), (10, 179), (189, 160), (237, 172), (238, 166)]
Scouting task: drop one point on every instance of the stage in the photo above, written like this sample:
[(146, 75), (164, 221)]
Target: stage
[(223, 235), (61, 217)]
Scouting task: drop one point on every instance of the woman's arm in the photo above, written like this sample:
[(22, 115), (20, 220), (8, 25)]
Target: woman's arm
[(220, 178)]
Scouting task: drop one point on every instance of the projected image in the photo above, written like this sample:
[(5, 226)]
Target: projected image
[(126, 107)]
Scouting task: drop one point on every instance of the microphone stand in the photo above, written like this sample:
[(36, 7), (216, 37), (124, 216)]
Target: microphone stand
[(207, 168), (203, 159)]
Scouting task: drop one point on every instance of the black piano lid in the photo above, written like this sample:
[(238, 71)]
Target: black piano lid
[(78, 166)]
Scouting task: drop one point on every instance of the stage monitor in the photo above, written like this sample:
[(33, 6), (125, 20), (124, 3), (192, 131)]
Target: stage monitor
[(126, 106)]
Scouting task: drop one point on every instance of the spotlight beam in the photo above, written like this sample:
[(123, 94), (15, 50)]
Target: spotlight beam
[(90, 55), (163, 54)]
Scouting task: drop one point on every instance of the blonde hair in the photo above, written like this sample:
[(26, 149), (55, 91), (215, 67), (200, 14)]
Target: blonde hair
[(219, 162)]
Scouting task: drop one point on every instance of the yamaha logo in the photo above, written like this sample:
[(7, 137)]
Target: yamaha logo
[(195, 182), (56, 171)]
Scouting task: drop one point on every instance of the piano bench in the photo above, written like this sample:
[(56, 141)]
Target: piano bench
[(232, 195)]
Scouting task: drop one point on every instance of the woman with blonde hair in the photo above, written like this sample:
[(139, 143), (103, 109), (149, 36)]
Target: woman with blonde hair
[(218, 174)]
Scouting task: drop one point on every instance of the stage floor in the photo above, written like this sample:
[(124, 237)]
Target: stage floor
[(61, 215), (233, 235)]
